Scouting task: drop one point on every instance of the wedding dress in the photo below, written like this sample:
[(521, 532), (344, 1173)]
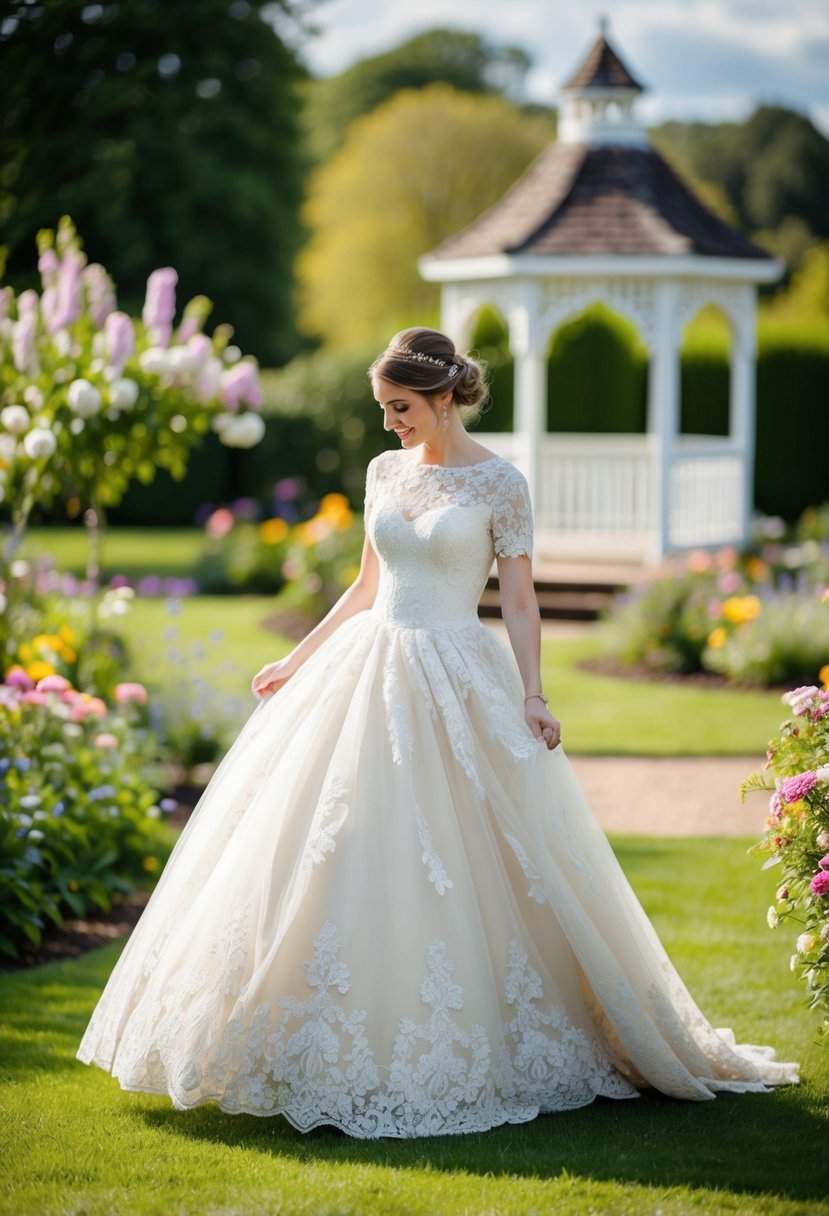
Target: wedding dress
[(392, 909)]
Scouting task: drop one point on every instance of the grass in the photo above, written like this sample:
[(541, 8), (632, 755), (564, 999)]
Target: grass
[(74, 1143), (603, 716)]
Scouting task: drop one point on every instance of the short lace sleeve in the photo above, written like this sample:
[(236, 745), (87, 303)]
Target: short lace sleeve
[(512, 517)]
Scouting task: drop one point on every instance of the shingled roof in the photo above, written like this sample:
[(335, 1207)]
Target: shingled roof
[(602, 69), (581, 200)]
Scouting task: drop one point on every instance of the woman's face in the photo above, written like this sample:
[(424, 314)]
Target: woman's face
[(407, 413)]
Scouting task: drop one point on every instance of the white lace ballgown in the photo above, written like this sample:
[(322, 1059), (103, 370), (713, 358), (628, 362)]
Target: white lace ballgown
[(392, 909)]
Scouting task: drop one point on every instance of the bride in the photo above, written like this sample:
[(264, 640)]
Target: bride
[(392, 909)]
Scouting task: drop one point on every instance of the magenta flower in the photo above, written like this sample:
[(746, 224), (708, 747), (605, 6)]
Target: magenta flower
[(160, 304), (820, 883), (120, 340), (18, 678), (798, 787), (824, 862), (53, 683)]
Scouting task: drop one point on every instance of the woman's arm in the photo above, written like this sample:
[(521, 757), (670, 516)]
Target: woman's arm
[(519, 608), (357, 598)]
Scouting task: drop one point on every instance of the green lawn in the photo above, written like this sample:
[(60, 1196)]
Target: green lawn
[(74, 1143), (602, 716)]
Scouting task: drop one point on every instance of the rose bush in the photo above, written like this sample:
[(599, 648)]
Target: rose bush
[(796, 837)]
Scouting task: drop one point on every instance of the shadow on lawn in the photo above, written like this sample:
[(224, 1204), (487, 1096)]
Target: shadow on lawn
[(748, 1144)]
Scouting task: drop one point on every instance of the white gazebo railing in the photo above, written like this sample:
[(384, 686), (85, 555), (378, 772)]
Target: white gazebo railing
[(597, 495)]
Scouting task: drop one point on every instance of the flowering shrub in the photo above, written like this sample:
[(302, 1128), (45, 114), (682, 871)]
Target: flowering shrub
[(90, 398), (79, 819), (756, 618), (797, 833), (313, 560)]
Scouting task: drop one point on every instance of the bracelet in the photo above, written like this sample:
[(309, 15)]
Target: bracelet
[(539, 695)]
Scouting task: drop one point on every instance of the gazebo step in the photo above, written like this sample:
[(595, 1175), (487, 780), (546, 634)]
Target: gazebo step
[(558, 600)]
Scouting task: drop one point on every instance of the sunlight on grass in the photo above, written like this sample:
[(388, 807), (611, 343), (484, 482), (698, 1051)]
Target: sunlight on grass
[(75, 1143)]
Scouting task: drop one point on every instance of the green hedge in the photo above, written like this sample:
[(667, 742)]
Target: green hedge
[(324, 426)]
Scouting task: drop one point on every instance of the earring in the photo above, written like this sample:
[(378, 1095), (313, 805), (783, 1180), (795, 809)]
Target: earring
[(445, 419)]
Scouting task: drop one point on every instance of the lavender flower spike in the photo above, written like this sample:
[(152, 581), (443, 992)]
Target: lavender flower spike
[(120, 340), (160, 305)]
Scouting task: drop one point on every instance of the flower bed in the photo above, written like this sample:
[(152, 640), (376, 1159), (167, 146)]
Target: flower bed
[(79, 818), (797, 833), (756, 618)]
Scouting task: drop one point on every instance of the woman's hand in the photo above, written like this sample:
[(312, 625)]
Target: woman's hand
[(271, 677), (541, 722)]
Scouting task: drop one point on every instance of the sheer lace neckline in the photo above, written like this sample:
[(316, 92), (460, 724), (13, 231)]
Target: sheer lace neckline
[(453, 468)]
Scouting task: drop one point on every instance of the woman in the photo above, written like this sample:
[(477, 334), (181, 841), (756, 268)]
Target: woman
[(392, 910)]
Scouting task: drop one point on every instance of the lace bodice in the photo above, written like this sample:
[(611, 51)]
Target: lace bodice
[(436, 530)]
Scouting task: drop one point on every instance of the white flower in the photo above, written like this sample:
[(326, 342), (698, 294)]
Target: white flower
[(39, 443), (822, 840), (822, 774), (123, 394), (33, 397), (824, 933), (772, 917), (180, 360), (62, 342), (242, 431), (232, 354), (19, 568), (154, 361), (8, 447), (84, 398), (805, 943), (793, 961), (220, 422), (15, 419), (3, 602)]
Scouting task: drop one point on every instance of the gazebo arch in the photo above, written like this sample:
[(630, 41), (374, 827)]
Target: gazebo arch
[(600, 217)]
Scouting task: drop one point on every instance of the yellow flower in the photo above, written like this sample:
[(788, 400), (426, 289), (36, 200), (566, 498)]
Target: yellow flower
[(272, 531), (150, 863), (740, 608), (38, 669), (68, 654), (67, 633), (823, 676), (717, 637), (25, 652)]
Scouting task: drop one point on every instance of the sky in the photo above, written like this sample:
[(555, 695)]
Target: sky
[(710, 60)]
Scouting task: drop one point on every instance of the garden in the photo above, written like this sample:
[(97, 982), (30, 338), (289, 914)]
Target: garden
[(173, 515)]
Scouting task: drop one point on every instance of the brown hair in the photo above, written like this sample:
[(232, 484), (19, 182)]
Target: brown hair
[(426, 361)]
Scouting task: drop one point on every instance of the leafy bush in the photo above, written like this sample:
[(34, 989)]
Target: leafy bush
[(79, 820), (754, 617), (797, 832)]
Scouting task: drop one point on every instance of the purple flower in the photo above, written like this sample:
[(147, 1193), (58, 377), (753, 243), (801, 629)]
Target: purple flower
[(286, 488), (102, 791), (820, 883), (23, 344), (100, 293), (160, 304), (119, 580), (120, 339), (241, 384), (798, 787), (67, 305), (150, 584)]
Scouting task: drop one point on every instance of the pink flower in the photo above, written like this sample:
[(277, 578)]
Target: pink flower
[(106, 740), (824, 862), (18, 678), (220, 522), (120, 340), (241, 384), (160, 305), (131, 692), (820, 883), (798, 787), (33, 697), (53, 683), (799, 698), (67, 305), (88, 707), (100, 294), (729, 582), (775, 806)]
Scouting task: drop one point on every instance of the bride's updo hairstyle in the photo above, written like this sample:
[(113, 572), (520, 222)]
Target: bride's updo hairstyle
[(426, 361)]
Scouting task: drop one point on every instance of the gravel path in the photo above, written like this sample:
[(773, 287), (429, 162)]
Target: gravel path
[(672, 796)]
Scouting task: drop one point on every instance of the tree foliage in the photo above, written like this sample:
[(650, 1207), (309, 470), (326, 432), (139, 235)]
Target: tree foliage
[(170, 134), (420, 167), (464, 60), (771, 172)]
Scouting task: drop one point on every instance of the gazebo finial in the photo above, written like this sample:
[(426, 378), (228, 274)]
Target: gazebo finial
[(604, 25)]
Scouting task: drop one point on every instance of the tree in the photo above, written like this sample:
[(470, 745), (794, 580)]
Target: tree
[(170, 134), (454, 57), (417, 169)]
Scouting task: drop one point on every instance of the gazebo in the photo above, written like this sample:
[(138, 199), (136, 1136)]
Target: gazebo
[(600, 217)]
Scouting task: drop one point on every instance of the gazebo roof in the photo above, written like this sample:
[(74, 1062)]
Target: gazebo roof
[(581, 200), (602, 69)]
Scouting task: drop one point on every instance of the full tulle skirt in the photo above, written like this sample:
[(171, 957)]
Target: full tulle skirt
[(393, 911)]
